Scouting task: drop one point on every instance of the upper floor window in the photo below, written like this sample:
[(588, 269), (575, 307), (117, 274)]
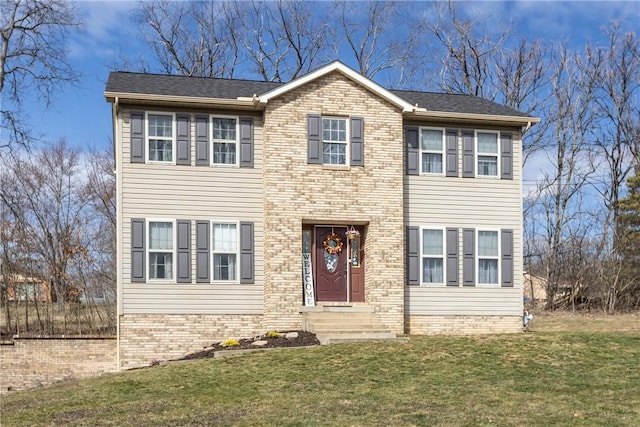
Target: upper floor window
[(161, 137), (432, 256), (432, 143), (487, 149), (225, 251), (160, 250), (488, 256), (224, 135), (334, 141)]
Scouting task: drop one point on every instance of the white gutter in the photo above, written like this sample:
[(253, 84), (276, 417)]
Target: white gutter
[(123, 97), (523, 121)]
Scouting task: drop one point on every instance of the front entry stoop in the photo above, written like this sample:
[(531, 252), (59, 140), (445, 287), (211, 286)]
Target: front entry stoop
[(344, 324)]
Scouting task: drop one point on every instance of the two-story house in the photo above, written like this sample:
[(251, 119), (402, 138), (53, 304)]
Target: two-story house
[(247, 206)]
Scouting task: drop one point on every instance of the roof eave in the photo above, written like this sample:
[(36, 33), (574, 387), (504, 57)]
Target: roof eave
[(123, 97), (474, 117)]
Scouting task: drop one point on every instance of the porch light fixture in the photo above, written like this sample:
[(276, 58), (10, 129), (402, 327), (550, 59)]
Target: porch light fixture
[(352, 233)]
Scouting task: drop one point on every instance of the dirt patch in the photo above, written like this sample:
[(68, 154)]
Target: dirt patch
[(296, 339)]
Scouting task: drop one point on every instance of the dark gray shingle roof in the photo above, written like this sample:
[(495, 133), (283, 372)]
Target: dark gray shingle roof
[(156, 84), (456, 103)]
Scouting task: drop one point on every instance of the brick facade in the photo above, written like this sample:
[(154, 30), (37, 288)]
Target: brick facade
[(462, 325), (145, 338), (28, 363), (297, 192)]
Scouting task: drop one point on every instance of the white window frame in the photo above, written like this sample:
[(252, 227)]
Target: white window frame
[(441, 152), (443, 256), (498, 257), (213, 141), (347, 142), (147, 137), (149, 251), (214, 252), (480, 153)]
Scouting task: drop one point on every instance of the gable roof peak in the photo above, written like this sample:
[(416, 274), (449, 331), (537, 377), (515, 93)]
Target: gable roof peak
[(350, 73)]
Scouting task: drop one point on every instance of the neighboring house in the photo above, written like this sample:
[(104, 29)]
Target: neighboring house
[(22, 288), (535, 290), (408, 205)]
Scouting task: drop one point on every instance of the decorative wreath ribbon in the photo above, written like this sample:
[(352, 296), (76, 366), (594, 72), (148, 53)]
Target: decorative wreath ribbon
[(334, 248)]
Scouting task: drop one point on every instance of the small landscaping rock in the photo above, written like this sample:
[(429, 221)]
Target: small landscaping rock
[(286, 339)]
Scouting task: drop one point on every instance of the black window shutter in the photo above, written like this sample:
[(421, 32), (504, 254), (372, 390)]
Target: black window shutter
[(413, 151), (183, 133), (469, 258), (183, 251), (468, 155), (452, 152), (246, 253), (138, 270), (357, 141), (314, 146), (203, 254), (507, 257), (506, 155), (413, 255), (202, 140), (452, 257), (137, 137), (246, 142)]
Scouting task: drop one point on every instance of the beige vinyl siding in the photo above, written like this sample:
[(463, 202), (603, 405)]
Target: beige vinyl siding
[(478, 203), (145, 298), (219, 193), (472, 301)]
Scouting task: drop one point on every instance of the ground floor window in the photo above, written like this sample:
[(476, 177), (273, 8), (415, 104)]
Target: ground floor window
[(161, 243), (488, 256), (432, 256), (225, 247)]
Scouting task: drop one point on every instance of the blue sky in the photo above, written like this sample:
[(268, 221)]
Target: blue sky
[(82, 116)]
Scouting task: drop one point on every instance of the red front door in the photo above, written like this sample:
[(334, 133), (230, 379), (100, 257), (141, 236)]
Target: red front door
[(331, 277)]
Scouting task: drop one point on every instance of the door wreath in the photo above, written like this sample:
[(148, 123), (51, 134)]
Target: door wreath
[(333, 244)]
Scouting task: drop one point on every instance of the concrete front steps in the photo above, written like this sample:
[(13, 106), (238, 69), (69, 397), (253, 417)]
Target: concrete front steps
[(342, 324)]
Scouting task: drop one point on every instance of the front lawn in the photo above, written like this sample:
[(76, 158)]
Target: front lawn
[(541, 378)]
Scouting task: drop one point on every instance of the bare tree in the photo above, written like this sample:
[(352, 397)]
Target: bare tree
[(195, 39), (379, 37), (42, 192), (470, 51), (32, 58), (617, 98), (572, 117), (282, 40), (97, 271)]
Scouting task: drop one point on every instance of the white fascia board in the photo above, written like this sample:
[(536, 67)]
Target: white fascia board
[(520, 120), (123, 97), (346, 71)]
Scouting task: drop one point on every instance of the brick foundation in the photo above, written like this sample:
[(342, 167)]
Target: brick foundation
[(145, 338), (462, 325)]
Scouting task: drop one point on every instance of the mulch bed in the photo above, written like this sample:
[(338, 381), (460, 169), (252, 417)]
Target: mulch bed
[(303, 339)]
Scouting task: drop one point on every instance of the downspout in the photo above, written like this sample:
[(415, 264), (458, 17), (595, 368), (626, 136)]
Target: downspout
[(117, 170)]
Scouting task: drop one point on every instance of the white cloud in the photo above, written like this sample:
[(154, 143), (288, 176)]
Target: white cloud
[(577, 22), (105, 23), (106, 20)]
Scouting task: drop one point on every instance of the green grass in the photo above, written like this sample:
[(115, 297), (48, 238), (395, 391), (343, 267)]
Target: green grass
[(541, 378)]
